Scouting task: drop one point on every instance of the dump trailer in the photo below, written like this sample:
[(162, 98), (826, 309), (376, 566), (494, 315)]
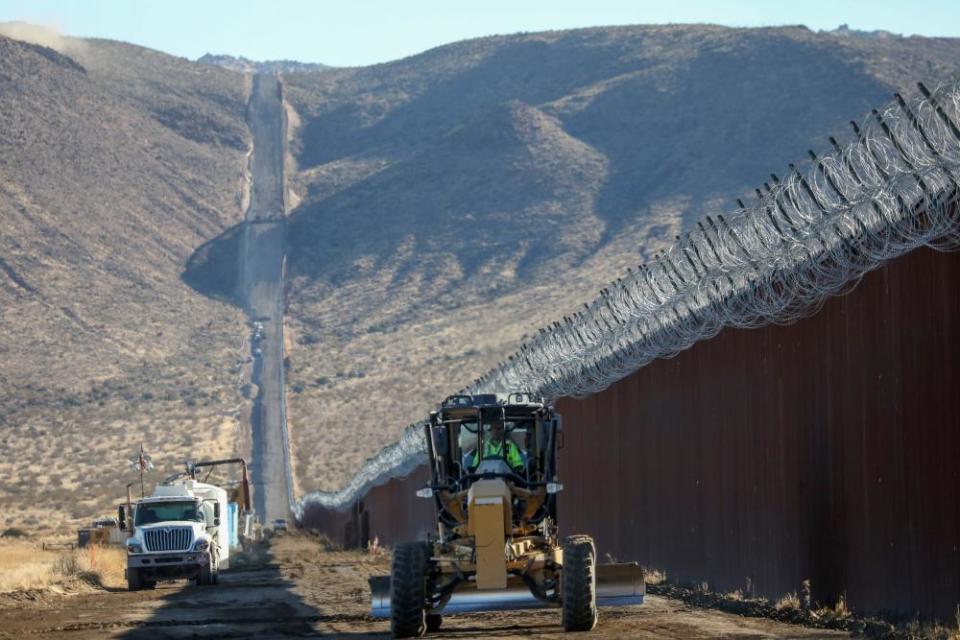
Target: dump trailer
[(494, 482), (185, 529)]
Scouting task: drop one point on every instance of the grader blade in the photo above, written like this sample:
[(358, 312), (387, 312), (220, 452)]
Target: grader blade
[(620, 584), (617, 585), (465, 599), (379, 596)]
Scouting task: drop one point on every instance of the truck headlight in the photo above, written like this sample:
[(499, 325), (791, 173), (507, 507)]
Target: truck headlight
[(201, 545), (134, 547)]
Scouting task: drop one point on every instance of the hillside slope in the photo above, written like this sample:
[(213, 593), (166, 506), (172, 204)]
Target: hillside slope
[(116, 162), (454, 201)]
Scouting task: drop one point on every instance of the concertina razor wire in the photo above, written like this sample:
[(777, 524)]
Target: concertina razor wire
[(808, 236)]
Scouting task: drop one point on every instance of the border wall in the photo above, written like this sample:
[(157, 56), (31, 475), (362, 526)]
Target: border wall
[(827, 450)]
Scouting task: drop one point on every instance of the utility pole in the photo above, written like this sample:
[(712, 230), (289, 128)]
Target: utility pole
[(143, 462)]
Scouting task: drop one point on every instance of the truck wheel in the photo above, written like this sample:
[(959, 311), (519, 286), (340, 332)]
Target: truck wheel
[(434, 620), (578, 584), (205, 575), (408, 589), (133, 580)]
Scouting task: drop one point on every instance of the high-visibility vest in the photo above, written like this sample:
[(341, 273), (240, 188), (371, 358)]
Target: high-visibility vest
[(491, 450)]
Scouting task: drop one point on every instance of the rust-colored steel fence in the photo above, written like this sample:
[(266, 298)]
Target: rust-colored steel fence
[(823, 451), (389, 513), (827, 450)]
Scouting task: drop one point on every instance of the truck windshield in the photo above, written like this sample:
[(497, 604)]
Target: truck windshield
[(164, 511)]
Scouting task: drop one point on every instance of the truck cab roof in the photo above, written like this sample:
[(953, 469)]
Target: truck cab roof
[(167, 498)]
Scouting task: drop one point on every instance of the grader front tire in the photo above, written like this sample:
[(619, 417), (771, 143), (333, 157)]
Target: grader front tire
[(408, 589), (579, 584)]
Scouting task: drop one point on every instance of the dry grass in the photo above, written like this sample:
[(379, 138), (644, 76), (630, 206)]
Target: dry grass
[(788, 601), (654, 576), (26, 566), (99, 566)]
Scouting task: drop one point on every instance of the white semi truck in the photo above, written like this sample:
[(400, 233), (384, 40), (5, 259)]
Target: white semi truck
[(184, 530)]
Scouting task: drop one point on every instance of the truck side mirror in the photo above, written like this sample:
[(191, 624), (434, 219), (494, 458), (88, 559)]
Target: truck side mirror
[(216, 514), (122, 517)]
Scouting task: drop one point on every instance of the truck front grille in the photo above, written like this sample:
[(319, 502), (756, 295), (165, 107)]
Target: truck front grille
[(167, 539)]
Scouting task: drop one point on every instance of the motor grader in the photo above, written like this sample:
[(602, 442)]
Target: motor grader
[(493, 463)]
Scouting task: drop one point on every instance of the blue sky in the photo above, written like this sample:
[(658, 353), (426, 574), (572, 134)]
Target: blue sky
[(360, 32)]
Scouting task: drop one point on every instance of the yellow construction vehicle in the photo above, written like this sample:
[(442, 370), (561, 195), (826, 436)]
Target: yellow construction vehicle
[(493, 463)]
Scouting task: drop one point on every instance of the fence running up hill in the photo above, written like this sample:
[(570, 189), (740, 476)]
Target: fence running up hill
[(823, 451)]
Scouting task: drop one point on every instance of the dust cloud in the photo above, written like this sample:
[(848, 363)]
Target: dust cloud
[(42, 34)]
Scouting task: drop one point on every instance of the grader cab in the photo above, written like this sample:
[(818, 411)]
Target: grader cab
[(493, 463)]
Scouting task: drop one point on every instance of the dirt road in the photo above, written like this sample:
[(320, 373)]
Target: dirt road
[(297, 588), (262, 283)]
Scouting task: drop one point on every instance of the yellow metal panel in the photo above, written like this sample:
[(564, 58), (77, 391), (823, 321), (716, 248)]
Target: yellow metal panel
[(487, 521)]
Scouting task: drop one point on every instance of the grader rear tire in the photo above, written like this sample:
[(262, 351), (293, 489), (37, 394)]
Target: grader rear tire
[(408, 589), (578, 584)]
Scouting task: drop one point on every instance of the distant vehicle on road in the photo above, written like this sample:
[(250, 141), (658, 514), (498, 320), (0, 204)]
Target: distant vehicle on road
[(257, 351), (279, 526)]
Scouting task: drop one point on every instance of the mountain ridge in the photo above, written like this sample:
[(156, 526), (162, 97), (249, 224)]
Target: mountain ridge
[(428, 213), (242, 64)]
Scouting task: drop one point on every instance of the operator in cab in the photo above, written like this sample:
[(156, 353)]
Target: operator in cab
[(497, 445)]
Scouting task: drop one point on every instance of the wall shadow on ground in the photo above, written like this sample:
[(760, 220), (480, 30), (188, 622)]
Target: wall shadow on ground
[(253, 599)]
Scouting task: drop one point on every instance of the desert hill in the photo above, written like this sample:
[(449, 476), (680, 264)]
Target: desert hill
[(456, 200), (445, 206), (116, 162)]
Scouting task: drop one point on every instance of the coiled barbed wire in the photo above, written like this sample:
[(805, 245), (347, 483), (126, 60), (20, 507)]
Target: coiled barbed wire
[(393, 461), (810, 235)]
